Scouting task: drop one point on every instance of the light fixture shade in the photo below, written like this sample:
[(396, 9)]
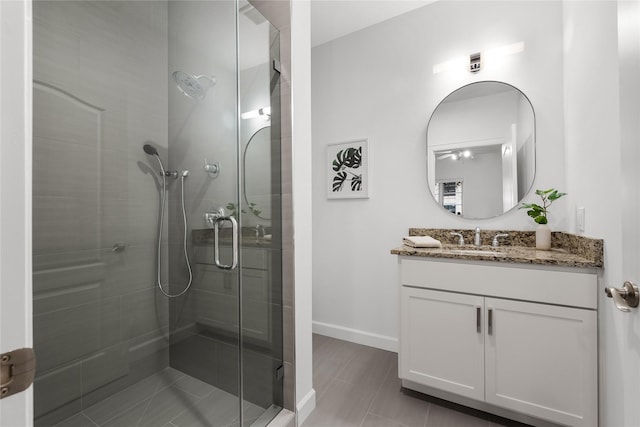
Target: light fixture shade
[(260, 112)]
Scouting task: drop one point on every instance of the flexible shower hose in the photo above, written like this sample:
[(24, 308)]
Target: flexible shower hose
[(184, 240)]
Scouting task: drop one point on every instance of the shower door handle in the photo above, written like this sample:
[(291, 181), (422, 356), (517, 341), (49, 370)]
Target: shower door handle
[(234, 242)]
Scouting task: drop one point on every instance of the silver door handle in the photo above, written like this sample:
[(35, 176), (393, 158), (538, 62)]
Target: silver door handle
[(626, 297), (234, 242)]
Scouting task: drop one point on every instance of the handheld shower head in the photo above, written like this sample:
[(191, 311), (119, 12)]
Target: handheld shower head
[(150, 150), (191, 86)]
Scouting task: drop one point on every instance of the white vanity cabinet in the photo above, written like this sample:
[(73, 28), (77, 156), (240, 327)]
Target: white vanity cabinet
[(216, 301), (521, 338)]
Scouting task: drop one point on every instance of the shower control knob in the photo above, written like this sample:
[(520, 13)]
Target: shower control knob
[(213, 169)]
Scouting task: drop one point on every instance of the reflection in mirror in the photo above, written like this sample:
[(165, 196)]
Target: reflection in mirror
[(256, 160), (481, 138)]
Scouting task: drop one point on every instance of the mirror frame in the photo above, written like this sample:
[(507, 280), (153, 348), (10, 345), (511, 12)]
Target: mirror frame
[(431, 162)]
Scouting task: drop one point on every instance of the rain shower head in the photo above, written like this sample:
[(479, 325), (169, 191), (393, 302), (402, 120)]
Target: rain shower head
[(191, 85), (150, 150)]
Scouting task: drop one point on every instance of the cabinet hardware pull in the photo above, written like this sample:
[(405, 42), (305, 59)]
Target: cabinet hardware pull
[(490, 325), (478, 318)]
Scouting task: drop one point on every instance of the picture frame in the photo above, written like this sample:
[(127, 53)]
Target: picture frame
[(347, 169)]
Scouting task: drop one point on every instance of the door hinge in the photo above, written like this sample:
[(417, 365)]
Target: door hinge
[(279, 372), (277, 66), (17, 370)]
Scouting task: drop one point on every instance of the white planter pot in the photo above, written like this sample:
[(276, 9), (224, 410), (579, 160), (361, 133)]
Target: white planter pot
[(543, 237)]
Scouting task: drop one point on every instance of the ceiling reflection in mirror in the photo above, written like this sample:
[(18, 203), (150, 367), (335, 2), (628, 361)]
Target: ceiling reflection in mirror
[(481, 150)]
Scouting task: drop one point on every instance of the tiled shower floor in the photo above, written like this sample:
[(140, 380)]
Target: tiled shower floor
[(166, 399)]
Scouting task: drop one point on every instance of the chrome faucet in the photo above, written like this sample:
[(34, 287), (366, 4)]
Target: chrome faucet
[(476, 239), (495, 243), (259, 230), (460, 238)]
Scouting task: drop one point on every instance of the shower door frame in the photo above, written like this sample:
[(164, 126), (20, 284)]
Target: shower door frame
[(15, 186), (16, 168)]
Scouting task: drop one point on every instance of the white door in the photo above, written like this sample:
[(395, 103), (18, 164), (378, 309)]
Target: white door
[(15, 196), (620, 332), (509, 169), (441, 342)]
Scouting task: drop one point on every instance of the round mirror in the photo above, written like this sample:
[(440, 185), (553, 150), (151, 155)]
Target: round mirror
[(481, 150), (256, 161)]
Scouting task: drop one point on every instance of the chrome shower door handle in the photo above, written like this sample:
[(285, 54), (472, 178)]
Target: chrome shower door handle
[(234, 242)]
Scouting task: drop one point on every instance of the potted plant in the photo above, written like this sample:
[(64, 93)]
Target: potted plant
[(539, 214)]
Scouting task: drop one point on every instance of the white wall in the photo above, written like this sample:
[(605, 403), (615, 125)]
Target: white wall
[(301, 192), (378, 83), (481, 182)]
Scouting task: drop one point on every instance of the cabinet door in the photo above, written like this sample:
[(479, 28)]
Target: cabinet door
[(441, 340), (542, 360)]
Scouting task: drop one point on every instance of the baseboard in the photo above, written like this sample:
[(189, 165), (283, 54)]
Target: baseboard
[(304, 408), (357, 336)]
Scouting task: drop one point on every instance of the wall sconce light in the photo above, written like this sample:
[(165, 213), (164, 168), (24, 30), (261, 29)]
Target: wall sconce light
[(492, 57), (474, 62), (260, 112), (455, 155)]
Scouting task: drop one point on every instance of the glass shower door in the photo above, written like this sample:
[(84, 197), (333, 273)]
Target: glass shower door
[(226, 331)]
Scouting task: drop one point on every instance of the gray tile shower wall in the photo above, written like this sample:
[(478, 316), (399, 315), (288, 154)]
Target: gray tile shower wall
[(99, 94)]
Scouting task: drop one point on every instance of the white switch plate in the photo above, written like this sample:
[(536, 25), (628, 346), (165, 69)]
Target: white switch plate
[(580, 217)]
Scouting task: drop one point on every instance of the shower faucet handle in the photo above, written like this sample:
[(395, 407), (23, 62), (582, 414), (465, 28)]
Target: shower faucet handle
[(213, 169), (211, 217)]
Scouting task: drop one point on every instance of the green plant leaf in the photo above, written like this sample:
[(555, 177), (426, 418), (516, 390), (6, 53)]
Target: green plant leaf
[(556, 195), (541, 220), (539, 213)]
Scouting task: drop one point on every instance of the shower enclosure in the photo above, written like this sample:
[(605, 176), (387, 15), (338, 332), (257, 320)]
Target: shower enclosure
[(157, 251)]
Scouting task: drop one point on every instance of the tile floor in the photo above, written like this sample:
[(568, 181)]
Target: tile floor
[(359, 386), (166, 399)]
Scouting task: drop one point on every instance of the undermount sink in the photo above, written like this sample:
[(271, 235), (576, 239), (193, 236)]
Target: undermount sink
[(476, 252)]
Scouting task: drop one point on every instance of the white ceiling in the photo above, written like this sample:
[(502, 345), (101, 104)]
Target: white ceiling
[(331, 19)]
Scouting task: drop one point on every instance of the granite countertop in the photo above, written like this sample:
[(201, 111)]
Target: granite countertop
[(568, 250)]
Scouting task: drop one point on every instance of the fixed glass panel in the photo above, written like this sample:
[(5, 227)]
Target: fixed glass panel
[(99, 95), (260, 213)]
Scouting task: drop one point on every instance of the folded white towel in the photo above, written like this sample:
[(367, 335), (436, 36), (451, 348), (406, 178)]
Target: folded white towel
[(421, 242)]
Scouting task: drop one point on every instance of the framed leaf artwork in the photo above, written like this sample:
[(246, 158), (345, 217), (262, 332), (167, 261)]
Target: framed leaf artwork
[(348, 170)]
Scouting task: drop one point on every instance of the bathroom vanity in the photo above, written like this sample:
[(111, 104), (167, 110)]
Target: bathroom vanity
[(217, 290), (509, 330)]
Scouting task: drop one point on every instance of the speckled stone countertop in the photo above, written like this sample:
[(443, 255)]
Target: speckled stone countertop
[(567, 250)]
